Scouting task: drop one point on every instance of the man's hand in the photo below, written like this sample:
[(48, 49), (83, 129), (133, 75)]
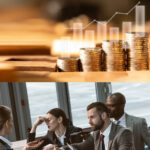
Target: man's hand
[(33, 145)]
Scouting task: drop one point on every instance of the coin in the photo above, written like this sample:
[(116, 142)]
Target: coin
[(115, 55), (137, 42), (91, 59), (68, 64)]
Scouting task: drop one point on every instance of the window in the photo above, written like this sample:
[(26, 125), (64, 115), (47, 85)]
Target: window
[(137, 98), (81, 95), (42, 97)]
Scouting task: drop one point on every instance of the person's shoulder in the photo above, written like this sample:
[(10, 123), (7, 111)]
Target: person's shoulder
[(2, 147), (135, 119), (120, 129)]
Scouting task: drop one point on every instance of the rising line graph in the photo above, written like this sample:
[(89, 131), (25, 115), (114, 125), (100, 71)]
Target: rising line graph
[(106, 22)]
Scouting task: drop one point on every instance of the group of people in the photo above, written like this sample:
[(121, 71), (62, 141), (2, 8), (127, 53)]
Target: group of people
[(113, 129)]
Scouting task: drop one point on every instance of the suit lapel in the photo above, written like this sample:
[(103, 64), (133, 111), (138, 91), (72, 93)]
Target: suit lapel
[(5, 144), (111, 135), (129, 121), (97, 140), (109, 144), (55, 140)]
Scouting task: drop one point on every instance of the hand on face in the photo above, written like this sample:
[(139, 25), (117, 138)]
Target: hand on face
[(33, 145), (39, 121)]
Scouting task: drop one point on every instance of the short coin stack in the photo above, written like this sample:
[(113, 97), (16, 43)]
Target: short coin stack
[(138, 50), (115, 55), (91, 59), (68, 64)]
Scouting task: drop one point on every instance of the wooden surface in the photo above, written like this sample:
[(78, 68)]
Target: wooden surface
[(136, 76), (30, 63), (24, 49), (28, 58), (42, 68)]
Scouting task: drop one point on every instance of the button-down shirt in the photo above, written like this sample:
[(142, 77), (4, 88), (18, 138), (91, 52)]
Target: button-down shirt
[(106, 136), (6, 141), (61, 138), (122, 121)]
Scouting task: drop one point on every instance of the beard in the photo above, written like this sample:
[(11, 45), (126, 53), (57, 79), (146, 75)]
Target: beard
[(112, 115), (99, 125), (115, 114)]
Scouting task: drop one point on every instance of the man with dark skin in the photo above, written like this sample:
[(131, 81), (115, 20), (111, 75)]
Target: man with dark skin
[(106, 135), (116, 104)]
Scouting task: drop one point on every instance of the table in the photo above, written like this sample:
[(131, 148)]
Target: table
[(25, 68)]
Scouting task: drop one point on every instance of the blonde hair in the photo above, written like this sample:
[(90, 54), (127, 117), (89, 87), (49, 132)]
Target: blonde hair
[(5, 114)]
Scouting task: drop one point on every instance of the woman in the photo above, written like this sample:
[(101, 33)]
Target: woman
[(59, 130), (6, 124)]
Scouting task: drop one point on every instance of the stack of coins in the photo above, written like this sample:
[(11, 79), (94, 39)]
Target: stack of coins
[(91, 59), (126, 50), (68, 64), (138, 50), (115, 55)]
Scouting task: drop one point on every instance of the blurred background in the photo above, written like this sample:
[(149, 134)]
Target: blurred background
[(62, 10), (41, 22)]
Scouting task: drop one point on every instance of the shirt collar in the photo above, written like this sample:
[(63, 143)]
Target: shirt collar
[(6, 141), (62, 135), (107, 131), (121, 119)]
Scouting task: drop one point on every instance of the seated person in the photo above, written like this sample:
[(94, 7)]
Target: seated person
[(59, 130), (6, 124)]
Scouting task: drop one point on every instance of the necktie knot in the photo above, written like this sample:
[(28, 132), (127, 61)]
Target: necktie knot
[(118, 122), (102, 136)]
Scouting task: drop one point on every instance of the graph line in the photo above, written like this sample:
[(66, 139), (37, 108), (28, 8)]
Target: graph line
[(116, 13)]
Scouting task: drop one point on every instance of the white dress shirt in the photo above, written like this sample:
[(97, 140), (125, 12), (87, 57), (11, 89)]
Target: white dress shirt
[(61, 138), (106, 136), (6, 141), (122, 121)]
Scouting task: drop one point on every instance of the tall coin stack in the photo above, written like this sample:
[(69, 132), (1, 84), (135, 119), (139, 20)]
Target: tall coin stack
[(138, 50), (115, 55), (68, 64), (91, 59), (126, 50)]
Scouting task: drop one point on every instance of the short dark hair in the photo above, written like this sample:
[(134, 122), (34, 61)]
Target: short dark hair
[(57, 112), (118, 97), (100, 107), (5, 114)]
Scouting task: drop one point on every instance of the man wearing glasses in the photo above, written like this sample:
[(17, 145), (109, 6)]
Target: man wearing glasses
[(116, 104)]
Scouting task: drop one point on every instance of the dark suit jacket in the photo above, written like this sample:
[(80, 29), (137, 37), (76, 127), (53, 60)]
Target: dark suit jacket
[(50, 137), (141, 133), (120, 138), (4, 146)]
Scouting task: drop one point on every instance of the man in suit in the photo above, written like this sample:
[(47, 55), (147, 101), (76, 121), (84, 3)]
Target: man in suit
[(116, 103), (106, 135)]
